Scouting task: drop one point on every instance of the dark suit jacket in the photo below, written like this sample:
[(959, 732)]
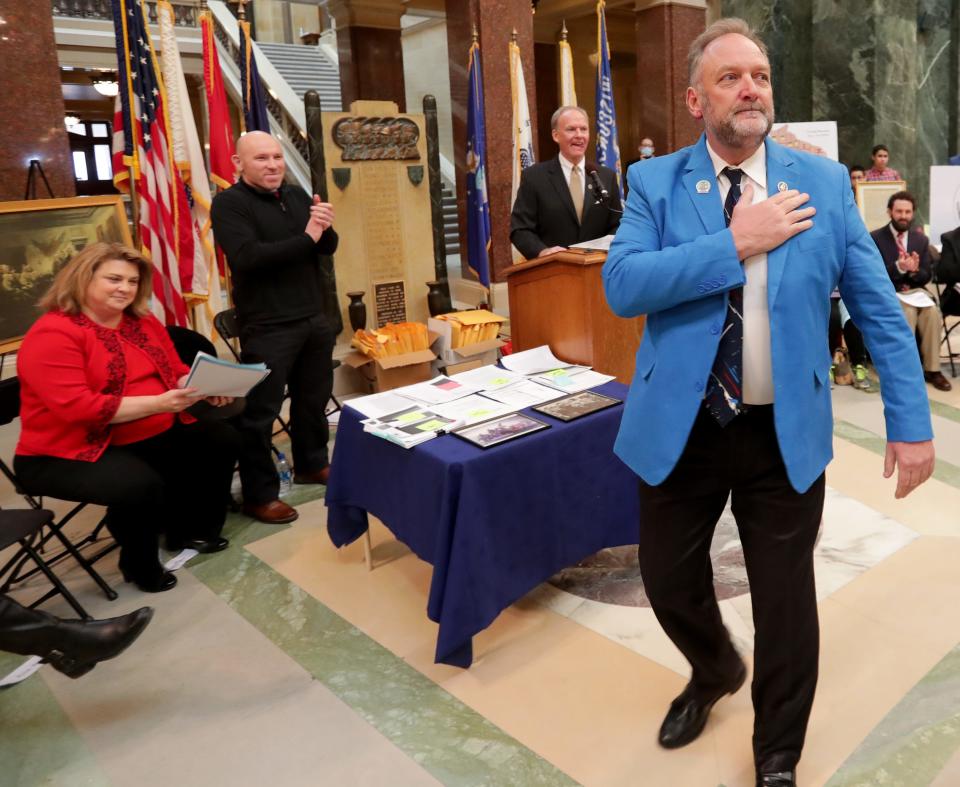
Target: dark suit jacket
[(916, 241), (948, 271), (543, 214)]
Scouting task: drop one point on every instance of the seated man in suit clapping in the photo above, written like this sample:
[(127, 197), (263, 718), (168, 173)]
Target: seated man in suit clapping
[(560, 202)]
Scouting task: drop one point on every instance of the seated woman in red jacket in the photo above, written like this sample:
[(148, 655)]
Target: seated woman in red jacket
[(102, 416)]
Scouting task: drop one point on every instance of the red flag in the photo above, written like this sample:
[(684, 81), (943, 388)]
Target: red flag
[(221, 130), (140, 135)]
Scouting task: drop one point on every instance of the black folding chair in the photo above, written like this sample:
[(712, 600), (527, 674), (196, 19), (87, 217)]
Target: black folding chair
[(24, 527), (9, 410)]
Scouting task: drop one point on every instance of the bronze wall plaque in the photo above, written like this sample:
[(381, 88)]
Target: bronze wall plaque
[(376, 139), (390, 302)]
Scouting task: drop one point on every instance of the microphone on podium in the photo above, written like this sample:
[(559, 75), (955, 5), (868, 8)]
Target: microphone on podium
[(601, 193)]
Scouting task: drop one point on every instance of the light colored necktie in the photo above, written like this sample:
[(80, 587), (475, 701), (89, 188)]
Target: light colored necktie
[(576, 192), (902, 242)]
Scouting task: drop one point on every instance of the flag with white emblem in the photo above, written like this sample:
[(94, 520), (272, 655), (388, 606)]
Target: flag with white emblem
[(140, 151), (608, 148)]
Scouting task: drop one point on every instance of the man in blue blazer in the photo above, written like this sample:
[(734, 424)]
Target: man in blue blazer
[(731, 248)]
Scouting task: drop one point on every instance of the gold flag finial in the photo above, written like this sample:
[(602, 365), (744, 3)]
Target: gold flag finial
[(476, 35), (241, 13), (563, 31), (513, 36)]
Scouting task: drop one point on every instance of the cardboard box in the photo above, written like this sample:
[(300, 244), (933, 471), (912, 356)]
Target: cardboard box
[(395, 371), (484, 352)]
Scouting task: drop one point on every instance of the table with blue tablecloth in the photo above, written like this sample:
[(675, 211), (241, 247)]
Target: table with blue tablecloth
[(494, 523)]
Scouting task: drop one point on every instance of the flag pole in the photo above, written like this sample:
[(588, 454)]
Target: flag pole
[(134, 208)]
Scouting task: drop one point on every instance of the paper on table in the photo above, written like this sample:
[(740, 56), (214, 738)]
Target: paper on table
[(213, 376), (22, 672), (438, 390), (379, 405), (539, 359), (487, 378), (572, 381), (524, 394), (919, 299), (597, 244), (473, 409)]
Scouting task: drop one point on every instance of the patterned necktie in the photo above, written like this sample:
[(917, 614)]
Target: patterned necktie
[(724, 389), (902, 242), (576, 191)]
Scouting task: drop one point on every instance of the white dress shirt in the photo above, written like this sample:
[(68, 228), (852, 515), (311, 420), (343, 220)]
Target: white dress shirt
[(757, 366)]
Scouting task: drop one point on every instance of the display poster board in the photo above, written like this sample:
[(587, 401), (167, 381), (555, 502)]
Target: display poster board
[(872, 198), (817, 137), (944, 201), (37, 238), (389, 301)]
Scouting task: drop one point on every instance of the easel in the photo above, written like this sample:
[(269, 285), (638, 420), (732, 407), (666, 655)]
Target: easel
[(34, 169)]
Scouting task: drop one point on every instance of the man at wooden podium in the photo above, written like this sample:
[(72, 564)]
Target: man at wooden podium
[(567, 199), (731, 247)]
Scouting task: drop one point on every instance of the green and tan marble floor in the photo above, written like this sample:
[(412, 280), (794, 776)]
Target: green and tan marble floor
[(285, 662)]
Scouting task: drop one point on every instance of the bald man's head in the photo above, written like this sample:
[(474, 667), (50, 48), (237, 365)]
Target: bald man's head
[(259, 160)]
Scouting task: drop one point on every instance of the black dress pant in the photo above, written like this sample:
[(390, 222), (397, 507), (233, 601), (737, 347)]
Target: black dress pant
[(778, 529), (299, 355), (177, 483)]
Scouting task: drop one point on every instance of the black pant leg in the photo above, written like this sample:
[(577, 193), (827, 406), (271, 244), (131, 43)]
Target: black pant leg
[(310, 384), (196, 463), (778, 529), (834, 330), (130, 488), (278, 347), (855, 345), (677, 522)]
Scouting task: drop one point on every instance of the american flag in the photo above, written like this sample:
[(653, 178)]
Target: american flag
[(140, 150)]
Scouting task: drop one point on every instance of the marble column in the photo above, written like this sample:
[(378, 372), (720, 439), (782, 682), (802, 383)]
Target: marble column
[(886, 74), (31, 102), (664, 31), (371, 55), (495, 20)]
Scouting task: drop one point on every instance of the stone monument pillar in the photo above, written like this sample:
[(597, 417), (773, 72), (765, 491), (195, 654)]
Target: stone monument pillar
[(31, 103), (495, 20), (665, 30), (376, 164), (371, 57)]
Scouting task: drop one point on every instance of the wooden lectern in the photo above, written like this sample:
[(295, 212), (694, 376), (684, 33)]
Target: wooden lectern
[(558, 300)]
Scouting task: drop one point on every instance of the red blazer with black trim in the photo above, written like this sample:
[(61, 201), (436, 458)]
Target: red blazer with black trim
[(73, 375)]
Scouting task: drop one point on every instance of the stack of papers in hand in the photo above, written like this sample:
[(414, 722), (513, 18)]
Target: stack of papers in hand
[(212, 376), (411, 426)]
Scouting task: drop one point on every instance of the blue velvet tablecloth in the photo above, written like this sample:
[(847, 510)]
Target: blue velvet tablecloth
[(494, 523)]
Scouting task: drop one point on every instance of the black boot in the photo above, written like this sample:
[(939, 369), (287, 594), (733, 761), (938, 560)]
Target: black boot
[(72, 647)]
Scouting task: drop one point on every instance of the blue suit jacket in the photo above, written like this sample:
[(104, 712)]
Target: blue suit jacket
[(674, 260)]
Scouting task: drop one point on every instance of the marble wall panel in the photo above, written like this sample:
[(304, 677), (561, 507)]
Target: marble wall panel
[(31, 102)]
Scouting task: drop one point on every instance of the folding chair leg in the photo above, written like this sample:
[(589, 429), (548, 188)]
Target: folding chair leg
[(108, 591), (55, 581), (368, 550)]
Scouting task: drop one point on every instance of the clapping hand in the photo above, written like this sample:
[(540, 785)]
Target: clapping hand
[(909, 263), (321, 217)]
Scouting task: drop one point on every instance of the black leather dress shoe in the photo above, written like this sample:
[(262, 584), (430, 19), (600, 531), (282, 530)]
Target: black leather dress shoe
[(778, 779), (156, 583), (204, 546), (688, 713)]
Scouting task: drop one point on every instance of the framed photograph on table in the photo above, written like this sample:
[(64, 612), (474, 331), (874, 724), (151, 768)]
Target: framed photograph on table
[(500, 430), (37, 238), (577, 405), (872, 198)]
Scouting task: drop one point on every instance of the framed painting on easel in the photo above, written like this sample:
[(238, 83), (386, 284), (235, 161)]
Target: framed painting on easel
[(37, 238)]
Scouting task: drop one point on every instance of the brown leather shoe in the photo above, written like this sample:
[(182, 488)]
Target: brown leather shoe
[(938, 381), (276, 512), (316, 477)]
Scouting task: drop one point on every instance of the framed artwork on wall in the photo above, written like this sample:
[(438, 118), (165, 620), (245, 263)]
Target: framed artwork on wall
[(37, 238), (872, 197)]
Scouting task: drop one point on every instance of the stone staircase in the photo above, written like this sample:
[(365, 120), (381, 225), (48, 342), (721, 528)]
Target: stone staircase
[(307, 68)]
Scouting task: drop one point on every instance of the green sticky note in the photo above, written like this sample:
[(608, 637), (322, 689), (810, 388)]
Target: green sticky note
[(408, 417), (431, 426)]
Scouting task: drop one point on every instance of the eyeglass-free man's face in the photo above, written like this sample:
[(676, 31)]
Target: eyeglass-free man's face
[(572, 135)]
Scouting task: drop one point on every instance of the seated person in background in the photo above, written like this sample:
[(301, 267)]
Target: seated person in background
[(556, 204), (857, 173), (102, 421), (906, 254), (842, 326), (880, 171), (948, 271)]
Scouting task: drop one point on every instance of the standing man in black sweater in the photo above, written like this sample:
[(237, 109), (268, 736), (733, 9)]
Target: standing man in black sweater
[(273, 235)]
